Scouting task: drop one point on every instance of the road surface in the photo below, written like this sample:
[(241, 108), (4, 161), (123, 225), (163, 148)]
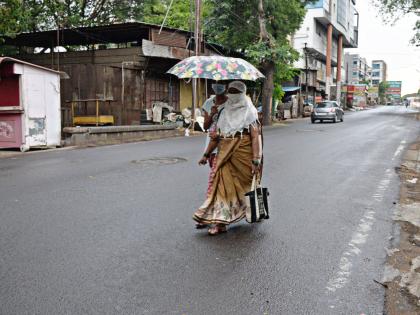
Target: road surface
[(108, 230)]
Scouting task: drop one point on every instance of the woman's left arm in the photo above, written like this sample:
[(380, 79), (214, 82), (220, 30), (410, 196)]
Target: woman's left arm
[(256, 154)]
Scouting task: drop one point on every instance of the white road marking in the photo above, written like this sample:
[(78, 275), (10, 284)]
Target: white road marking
[(359, 237), (399, 149)]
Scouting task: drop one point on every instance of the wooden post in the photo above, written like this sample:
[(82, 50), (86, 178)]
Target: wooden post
[(97, 113), (72, 113), (197, 53)]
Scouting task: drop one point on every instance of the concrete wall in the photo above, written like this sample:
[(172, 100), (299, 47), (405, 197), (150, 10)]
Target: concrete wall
[(186, 99), (96, 136), (185, 95)]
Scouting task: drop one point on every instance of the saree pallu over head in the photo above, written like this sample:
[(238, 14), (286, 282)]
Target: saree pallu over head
[(226, 202), (238, 114)]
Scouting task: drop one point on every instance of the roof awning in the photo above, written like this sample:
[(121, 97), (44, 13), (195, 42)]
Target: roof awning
[(290, 88)]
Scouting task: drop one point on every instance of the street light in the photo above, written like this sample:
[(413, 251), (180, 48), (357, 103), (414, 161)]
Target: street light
[(305, 49)]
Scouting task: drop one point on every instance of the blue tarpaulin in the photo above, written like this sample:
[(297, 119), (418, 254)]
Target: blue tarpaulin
[(290, 88)]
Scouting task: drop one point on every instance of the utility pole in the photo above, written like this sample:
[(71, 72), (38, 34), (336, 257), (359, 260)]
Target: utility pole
[(197, 53), (306, 73), (269, 68)]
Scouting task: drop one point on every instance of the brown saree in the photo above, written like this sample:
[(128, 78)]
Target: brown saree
[(226, 202)]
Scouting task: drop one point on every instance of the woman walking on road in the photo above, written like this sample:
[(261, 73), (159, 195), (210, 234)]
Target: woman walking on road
[(212, 108), (238, 158)]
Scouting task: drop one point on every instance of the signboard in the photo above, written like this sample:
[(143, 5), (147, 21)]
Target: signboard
[(356, 95), (373, 92), (394, 89), (359, 89)]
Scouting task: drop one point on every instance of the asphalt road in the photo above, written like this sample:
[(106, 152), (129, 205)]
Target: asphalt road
[(108, 231)]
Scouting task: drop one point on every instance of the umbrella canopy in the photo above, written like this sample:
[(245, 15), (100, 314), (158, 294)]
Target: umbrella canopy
[(215, 68)]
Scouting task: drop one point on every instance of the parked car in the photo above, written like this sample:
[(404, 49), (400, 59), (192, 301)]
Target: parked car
[(327, 110), (307, 109)]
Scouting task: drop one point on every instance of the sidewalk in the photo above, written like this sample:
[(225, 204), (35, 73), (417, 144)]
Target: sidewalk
[(402, 271), (15, 153)]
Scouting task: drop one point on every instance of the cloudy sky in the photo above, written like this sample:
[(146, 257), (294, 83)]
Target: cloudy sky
[(390, 43)]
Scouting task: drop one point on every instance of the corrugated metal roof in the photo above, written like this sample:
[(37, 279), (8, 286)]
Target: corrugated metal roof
[(8, 59), (101, 34)]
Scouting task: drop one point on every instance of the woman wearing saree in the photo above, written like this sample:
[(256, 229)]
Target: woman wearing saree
[(238, 158)]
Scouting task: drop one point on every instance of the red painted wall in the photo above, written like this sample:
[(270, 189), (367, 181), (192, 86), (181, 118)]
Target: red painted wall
[(9, 86), (10, 130)]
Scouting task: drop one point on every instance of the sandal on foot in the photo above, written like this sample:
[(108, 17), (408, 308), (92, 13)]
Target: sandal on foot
[(200, 226), (218, 229)]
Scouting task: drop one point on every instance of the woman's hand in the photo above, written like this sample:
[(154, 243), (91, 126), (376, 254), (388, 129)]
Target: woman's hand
[(213, 135), (256, 166), (255, 169), (214, 110), (203, 161)]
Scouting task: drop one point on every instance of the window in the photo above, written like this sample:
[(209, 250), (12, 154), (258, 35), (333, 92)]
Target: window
[(342, 12), (319, 29), (325, 105), (355, 62), (158, 90), (376, 66), (375, 82), (376, 74), (354, 73), (317, 4)]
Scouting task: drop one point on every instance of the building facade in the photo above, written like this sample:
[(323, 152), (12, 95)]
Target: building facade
[(379, 71), (329, 27), (124, 63), (357, 69)]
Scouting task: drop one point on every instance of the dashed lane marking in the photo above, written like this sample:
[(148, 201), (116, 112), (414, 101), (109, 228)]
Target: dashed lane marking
[(359, 237)]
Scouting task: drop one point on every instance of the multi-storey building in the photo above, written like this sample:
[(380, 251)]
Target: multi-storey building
[(357, 69), (379, 71), (328, 27)]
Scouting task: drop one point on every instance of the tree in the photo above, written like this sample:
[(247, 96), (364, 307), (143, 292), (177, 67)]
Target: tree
[(12, 18), (181, 15), (260, 29), (383, 87), (392, 10), (365, 82)]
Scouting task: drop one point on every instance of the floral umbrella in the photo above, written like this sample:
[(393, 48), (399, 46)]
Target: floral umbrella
[(215, 68)]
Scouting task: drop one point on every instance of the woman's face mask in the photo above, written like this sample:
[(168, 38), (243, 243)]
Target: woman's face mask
[(235, 97), (218, 89)]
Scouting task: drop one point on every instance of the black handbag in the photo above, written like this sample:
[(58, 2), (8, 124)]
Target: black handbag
[(257, 199)]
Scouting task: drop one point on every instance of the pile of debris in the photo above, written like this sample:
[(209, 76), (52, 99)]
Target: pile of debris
[(402, 272), (162, 113)]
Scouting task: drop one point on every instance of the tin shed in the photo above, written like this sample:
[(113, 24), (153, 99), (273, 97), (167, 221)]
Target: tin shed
[(29, 105)]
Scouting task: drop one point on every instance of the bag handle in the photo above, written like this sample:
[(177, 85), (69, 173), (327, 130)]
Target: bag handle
[(253, 186), (256, 181)]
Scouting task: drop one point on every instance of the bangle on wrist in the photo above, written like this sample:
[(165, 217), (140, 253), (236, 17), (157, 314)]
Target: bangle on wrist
[(256, 162)]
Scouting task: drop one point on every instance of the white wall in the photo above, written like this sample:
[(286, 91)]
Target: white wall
[(41, 102)]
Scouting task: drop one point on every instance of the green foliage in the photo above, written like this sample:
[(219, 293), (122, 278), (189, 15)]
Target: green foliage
[(392, 10), (366, 82), (181, 14), (12, 19), (35, 15), (383, 86)]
